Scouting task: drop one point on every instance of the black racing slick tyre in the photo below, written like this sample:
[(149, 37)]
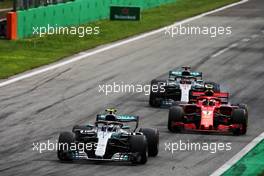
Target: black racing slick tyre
[(152, 100), (65, 140), (176, 114), (138, 146), (245, 107), (239, 116), (155, 93), (152, 136)]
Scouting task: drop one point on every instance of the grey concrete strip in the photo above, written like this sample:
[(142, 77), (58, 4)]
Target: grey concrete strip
[(5, 10)]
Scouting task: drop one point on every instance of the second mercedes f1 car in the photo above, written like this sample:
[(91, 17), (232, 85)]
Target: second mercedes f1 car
[(178, 87), (209, 112), (109, 139)]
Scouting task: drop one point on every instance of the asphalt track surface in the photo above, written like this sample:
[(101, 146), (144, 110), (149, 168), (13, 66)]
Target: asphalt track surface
[(38, 108)]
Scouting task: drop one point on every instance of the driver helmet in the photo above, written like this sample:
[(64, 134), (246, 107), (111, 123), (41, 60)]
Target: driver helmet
[(111, 114), (186, 71), (209, 90)]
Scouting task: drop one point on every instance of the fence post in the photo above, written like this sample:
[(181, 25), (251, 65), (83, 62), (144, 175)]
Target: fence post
[(11, 25)]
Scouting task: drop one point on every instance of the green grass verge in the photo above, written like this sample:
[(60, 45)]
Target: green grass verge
[(251, 164), (21, 55)]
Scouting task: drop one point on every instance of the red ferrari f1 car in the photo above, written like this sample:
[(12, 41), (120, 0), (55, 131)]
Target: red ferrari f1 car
[(209, 112)]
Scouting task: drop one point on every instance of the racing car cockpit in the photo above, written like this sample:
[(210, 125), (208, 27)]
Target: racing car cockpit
[(108, 126), (111, 114), (209, 90), (186, 72), (206, 102), (110, 121), (110, 117), (186, 80)]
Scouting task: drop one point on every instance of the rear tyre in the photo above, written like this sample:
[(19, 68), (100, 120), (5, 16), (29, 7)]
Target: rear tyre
[(245, 107), (152, 136), (65, 140), (138, 146), (153, 100), (176, 114), (239, 116), (155, 96)]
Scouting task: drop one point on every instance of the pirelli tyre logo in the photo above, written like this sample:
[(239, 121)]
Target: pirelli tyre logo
[(125, 13)]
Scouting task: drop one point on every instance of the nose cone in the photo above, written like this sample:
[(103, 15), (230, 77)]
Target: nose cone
[(207, 118)]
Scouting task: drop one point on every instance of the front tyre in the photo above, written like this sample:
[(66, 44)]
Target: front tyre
[(152, 136), (239, 116), (176, 114), (138, 146), (65, 140)]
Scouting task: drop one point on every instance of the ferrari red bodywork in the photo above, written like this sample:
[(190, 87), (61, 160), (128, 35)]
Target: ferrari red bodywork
[(206, 113)]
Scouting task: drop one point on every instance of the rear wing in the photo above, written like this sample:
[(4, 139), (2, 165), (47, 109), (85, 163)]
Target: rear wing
[(173, 73), (223, 96), (120, 118), (216, 94)]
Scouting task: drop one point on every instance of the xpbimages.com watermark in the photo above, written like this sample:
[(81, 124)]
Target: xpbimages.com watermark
[(171, 147), (122, 87), (212, 147), (41, 147), (80, 31), (211, 31)]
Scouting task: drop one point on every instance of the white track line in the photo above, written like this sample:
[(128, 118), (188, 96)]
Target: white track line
[(245, 40), (238, 156), (84, 55), (224, 50), (233, 45), (220, 52)]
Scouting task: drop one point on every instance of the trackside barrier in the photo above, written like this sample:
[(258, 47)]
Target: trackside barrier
[(73, 13), (11, 25)]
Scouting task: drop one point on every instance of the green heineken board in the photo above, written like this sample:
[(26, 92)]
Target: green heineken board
[(124, 13)]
